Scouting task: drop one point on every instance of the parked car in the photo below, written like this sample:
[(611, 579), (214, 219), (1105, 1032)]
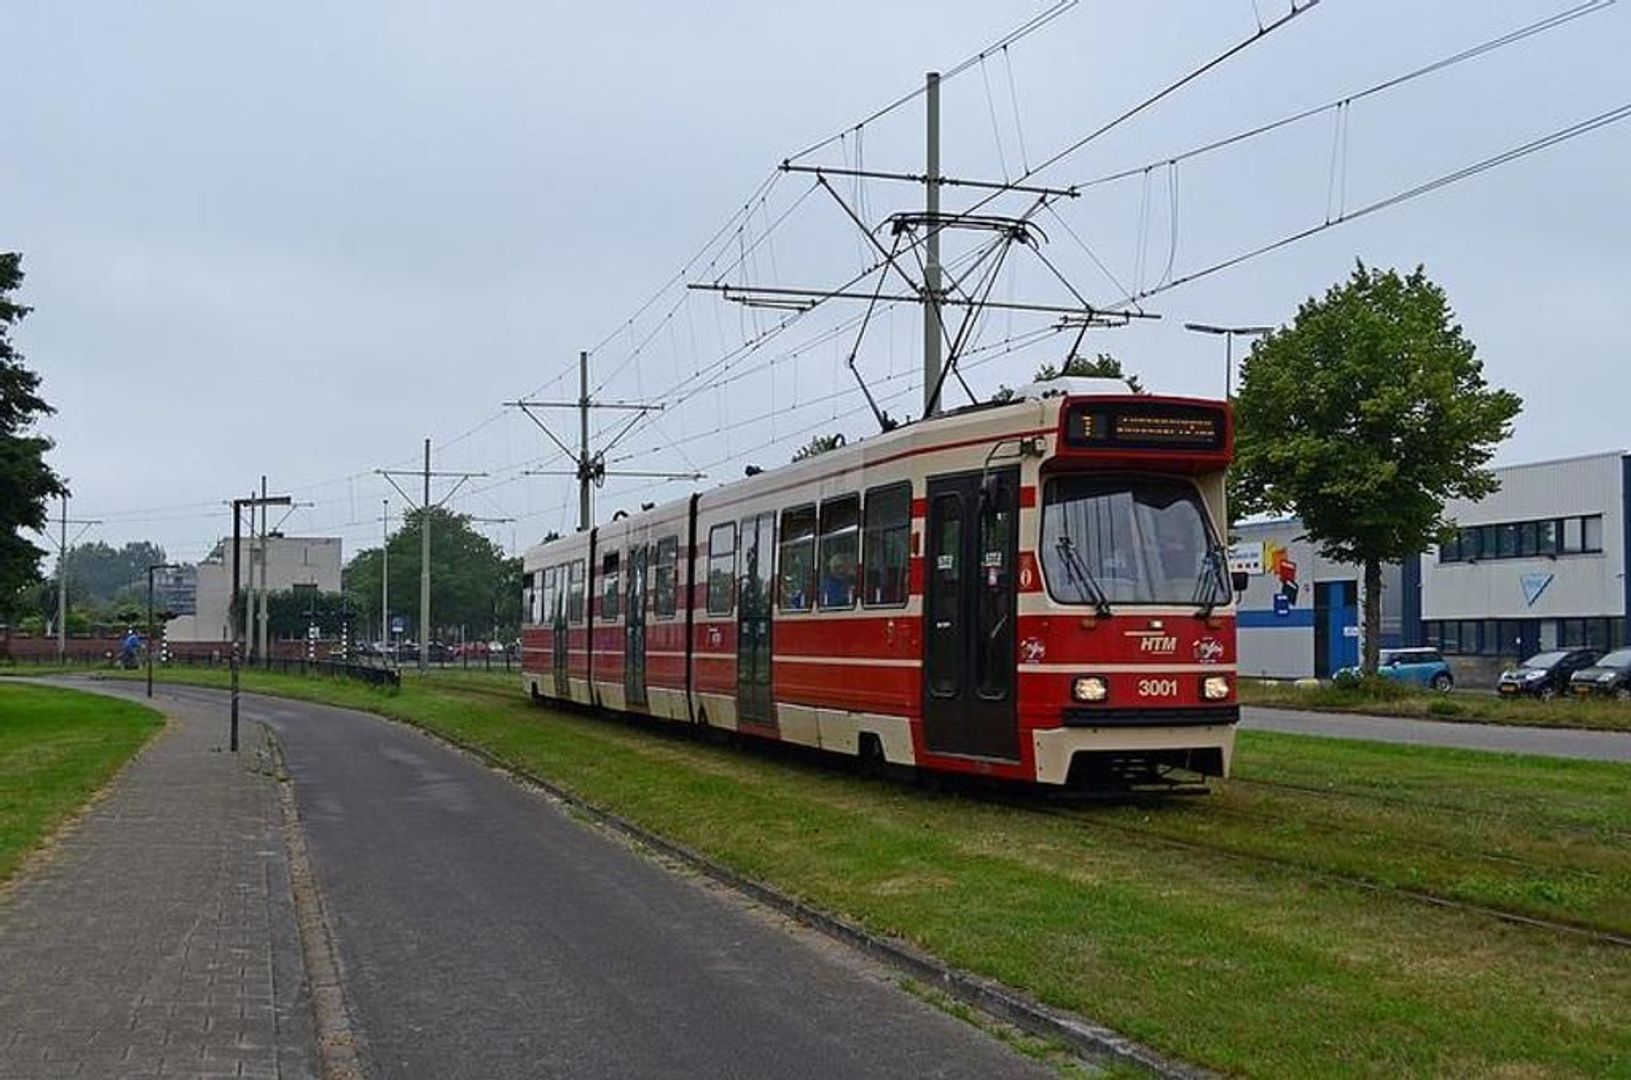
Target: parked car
[(1610, 676), (1418, 667), (1545, 675)]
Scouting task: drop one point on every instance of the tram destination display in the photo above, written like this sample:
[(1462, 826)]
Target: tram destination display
[(1140, 426)]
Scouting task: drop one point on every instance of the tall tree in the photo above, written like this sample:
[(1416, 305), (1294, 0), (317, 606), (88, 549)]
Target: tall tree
[(1102, 366), (26, 482), (100, 572), (1362, 418), (472, 583), (819, 445)]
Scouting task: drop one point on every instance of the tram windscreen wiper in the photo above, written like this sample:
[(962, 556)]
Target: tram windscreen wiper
[(1083, 578), (1209, 585)]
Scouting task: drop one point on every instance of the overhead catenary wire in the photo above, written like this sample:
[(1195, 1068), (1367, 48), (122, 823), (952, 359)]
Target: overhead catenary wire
[(1019, 33), (1483, 48), (1572, 131)]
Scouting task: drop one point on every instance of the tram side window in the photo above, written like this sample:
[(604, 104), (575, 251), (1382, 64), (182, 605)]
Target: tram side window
[(795, 589), (609, 592), (722, 569), (886, 555), (557, 612), (529, 597), (547, 605), (574, 597), (840, 546), (665, 581)]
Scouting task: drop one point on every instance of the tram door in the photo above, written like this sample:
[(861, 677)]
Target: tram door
[(557, 623), (634, 641), (969, 660), (756, 551)]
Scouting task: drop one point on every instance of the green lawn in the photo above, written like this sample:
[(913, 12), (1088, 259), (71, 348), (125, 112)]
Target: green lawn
[(57, 748), (1262, 930), (1465, 706)]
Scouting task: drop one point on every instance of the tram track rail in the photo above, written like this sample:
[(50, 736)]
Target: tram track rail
[(1334, 794), (1585, 931)]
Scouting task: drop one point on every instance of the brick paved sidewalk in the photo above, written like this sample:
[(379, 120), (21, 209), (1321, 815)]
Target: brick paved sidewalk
[(159, 939)]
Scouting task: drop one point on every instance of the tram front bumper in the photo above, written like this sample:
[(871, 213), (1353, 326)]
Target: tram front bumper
[(1205, 748)]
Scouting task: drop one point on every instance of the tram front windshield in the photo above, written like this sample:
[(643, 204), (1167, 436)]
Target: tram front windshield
[(1129, 540)]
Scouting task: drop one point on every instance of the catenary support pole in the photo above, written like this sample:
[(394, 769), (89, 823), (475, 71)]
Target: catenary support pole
[(585, 465), (385, 579), (237, 610), (238, 614), (261, 634), (424, 571), (931, 261), (150, 570), (62, 588)]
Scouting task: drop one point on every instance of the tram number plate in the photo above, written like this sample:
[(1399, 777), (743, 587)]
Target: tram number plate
[(1158, 688)]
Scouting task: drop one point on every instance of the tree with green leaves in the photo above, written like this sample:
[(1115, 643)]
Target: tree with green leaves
[(100, 572), (26, 482), (819, 445), (1102, 366), (472, 583), (1362, 418)]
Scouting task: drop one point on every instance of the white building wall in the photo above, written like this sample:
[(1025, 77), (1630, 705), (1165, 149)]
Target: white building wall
[(290, 561), (1582, 585)]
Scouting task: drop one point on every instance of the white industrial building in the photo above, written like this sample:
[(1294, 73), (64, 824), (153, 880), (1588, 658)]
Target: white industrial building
[(290, 562), (1539, 564)]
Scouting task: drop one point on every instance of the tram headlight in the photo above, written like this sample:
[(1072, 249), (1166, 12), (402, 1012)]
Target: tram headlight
[(1090, 688), (1215, 687)]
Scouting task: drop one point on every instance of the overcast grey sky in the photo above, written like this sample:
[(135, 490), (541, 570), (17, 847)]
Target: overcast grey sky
[(297, 239)]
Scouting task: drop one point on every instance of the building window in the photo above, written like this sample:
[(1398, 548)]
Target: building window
[(1592, 532), (1524, 539), (722, 569), (666, 579), (886, 556), (1546, 537), (795, 589), (840, 544)]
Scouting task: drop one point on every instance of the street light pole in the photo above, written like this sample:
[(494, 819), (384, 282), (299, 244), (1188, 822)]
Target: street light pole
[(1229, 333)]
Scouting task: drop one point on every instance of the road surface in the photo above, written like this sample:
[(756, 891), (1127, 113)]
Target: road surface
[(1501, 738), (483, 932)]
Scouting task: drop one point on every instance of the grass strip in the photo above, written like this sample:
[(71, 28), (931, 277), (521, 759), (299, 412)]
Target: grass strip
[(1470, 707), (57, 749), (1248, 967)]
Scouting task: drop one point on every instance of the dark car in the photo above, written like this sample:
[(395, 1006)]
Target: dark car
[(1610, 676), (1545, 675)]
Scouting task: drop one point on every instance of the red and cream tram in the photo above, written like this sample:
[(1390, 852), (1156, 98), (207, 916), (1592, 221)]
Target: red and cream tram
[(1035, 591)]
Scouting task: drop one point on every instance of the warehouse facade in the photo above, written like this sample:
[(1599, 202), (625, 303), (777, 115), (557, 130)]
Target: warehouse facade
[(1540, 564)]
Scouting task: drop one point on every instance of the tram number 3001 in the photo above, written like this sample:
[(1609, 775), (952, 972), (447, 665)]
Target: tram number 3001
[(1158, 688)]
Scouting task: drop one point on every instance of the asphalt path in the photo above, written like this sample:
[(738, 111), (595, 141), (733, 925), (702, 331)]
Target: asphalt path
[(483, 932), (1499, 738)]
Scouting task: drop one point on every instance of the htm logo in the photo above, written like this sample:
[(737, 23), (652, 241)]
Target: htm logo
[(1158, 644)]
